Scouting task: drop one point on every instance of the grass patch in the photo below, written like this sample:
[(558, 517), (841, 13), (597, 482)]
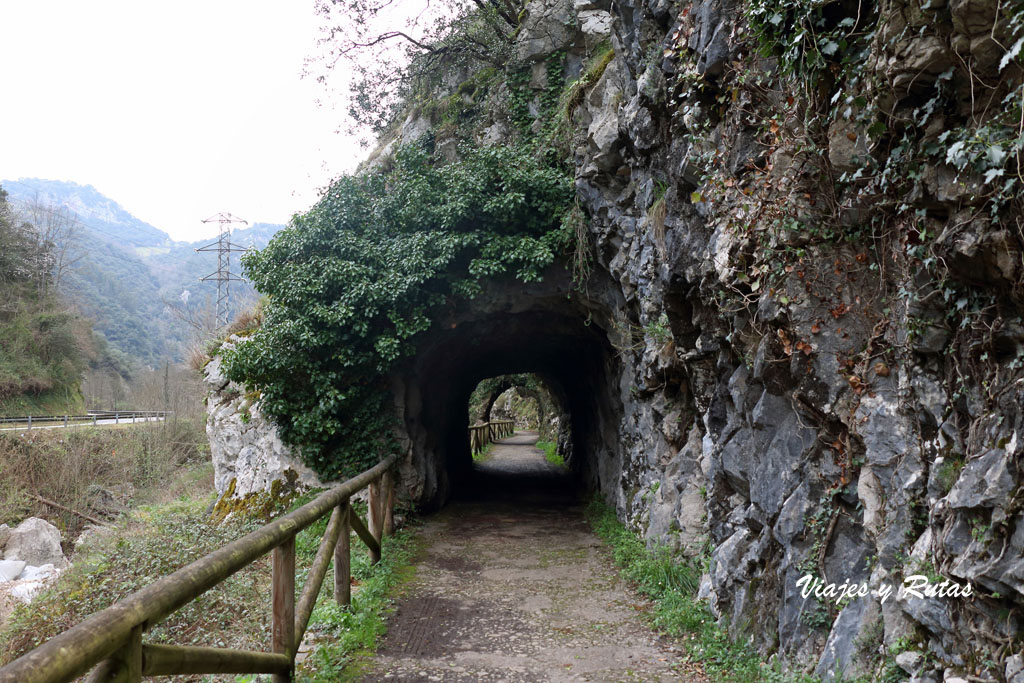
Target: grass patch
[(551, 453), (344, 637), (485, 453), (152, 542), (574, 93), (672, 585)]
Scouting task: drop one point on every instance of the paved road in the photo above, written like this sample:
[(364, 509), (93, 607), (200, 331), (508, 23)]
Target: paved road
[(99, 423), (513, 586)]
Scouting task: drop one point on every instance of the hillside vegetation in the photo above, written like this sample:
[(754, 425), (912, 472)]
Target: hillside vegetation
[(43, 347)]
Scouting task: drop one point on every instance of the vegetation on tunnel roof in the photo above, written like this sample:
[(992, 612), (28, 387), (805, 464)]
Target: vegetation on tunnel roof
[(352, 283)]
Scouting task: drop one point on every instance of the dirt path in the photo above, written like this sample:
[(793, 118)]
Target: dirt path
[(513, 586)]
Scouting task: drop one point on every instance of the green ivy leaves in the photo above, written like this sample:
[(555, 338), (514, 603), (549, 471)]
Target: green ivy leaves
[(351, 284)]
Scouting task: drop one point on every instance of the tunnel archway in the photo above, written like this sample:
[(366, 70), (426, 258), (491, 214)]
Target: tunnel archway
[(544, 328), (524, 398)]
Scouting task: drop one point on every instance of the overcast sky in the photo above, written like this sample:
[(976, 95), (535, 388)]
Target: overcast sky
[(175, 110)]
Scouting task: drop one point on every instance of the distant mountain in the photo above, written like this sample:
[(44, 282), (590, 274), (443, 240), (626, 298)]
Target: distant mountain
[(132, 279), (97, 212)]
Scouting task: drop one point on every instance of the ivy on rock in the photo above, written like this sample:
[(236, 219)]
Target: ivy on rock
[(351, 284)]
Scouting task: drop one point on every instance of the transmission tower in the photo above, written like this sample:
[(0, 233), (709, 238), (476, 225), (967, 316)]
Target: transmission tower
[(223, 276)]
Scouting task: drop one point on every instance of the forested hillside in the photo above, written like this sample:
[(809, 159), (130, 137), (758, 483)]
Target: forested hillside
[(141, 288), (43, 347)]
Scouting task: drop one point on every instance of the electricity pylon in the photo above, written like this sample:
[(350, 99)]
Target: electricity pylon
[(223, 246)]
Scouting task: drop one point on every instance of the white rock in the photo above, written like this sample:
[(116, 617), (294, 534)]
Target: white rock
[(871, 495), (247, 450), (909, 660), (10, 569), (43, 573), (549, 25), (414, 128), (596, 26), (1014, 671), (33, 580), (36, 542)]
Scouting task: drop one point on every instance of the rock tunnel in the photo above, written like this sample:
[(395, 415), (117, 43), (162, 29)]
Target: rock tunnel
[(545, 328)]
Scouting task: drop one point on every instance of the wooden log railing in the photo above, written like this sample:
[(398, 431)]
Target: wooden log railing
[(482, 434), (112, 638)]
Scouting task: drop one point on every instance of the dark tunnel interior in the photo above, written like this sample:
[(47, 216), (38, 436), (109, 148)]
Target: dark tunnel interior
[(568, 353)]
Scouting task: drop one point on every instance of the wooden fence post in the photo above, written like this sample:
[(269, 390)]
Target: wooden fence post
[(374, 519), (125, 665), (388, 499), (343, 560), (284, 603)]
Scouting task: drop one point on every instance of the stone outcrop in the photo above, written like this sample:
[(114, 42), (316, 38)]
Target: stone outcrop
[(247, 452), (753, 372)]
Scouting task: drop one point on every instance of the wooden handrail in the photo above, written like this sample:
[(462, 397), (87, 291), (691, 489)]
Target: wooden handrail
[(482, 434), (113, 636)]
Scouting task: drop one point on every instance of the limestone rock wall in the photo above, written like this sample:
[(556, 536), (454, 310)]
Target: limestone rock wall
[(806, 403), (247, 452)]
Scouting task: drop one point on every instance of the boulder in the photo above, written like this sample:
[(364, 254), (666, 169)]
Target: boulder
[(36, 542), (5, 533)]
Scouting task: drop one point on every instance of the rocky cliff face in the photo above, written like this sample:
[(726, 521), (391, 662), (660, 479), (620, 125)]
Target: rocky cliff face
[(803, 320), (843, 415)]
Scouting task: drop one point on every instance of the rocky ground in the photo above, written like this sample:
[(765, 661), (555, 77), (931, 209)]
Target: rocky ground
[(512, 585)]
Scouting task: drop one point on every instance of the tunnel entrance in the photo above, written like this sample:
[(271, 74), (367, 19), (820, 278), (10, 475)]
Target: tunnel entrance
[(545, 330), (526, 400), (528, 466)]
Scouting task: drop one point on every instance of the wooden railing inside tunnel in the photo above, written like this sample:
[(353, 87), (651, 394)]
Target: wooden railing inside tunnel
[(483, 434), (112, 638)]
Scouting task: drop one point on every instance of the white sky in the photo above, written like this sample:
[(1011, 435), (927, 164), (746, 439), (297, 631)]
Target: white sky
[(174, 110)]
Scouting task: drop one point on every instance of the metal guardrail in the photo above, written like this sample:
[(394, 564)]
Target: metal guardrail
[(112, 638), (92, 415), (483, 434)]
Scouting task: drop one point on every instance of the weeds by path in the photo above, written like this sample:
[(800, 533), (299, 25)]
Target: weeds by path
[(551, 453), (672, 585), (343, 637), (485, 453)]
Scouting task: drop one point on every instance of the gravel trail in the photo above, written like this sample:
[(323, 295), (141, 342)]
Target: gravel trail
[(511, 585)]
